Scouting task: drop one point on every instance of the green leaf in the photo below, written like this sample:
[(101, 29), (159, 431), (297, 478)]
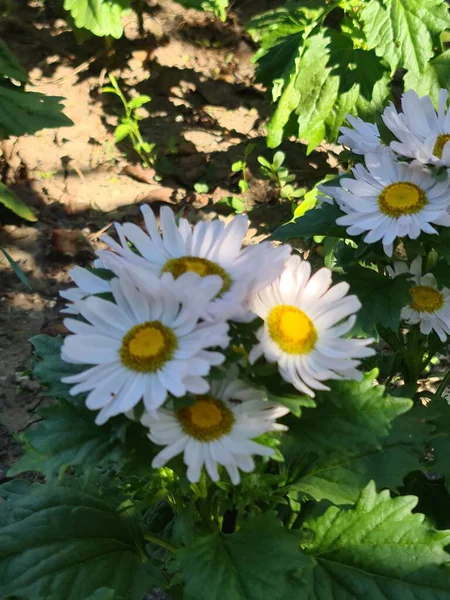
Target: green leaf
[(364, 82), (442, 273), (59, 542), (279, 23), (15, 267), (201, 187), (252, 564), (355, 434), (51, 368), (27, 112), (310, 198), (377, 550), (435, 76), (12, 202), (68, 437), (101, 17), (9, 65), (294, 403), (218, 7), (318, 221), (122, 131), (440, 416), (311, 103), (341, 80), (278, 159), (14, 489), (441, 243), (382, 297), (103, 594), (138, 102), (105, 274), (404, 33), (243, 185)]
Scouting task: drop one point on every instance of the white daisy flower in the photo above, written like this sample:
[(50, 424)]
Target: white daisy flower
[(390, 199), (216, 430), (304, 323), (363, 138), (144, 345), (87, 285), (206, 249), (430, 306), (422, 131)]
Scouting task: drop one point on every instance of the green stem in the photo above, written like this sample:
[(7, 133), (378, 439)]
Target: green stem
[(443, 384), (159, 542), (244, 173)]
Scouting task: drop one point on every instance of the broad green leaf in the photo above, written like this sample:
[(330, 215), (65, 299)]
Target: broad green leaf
[(12, 202), (341, 80), (279, 23), (318, 221), (9, 65), (251, 564), (355, 434), (364, 82), (50, 367), (382, 297), (27, 112), (15, 489), (100, 17), (441, 243), (68, 437), (441, 271), (404, 33), (311, 103), (440, 417), (59, 542), (378, 550), (435, 76), (15, 267)]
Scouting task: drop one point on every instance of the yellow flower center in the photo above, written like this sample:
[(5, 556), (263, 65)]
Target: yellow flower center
[(207, 419), (201, 266), (291, 329), (426, 298), (439, 146), (401, 198), (146, 347)]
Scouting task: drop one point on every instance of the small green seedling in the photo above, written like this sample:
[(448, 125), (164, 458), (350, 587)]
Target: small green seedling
[(201, 187), (240, 166), (280, 176), (129, 123), (237, 205)]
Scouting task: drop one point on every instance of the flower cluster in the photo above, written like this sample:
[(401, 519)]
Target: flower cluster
[(152, 331), (401, 190)]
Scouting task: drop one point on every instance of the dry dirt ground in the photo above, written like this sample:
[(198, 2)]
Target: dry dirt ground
[(205, 109)]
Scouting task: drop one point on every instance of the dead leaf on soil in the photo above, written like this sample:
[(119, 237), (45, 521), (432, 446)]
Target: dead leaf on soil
[(140, 173), (69, 242), (55, 329), (162, 194)]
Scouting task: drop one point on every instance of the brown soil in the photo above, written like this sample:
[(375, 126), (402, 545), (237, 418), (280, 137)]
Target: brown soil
[(205, 109)]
